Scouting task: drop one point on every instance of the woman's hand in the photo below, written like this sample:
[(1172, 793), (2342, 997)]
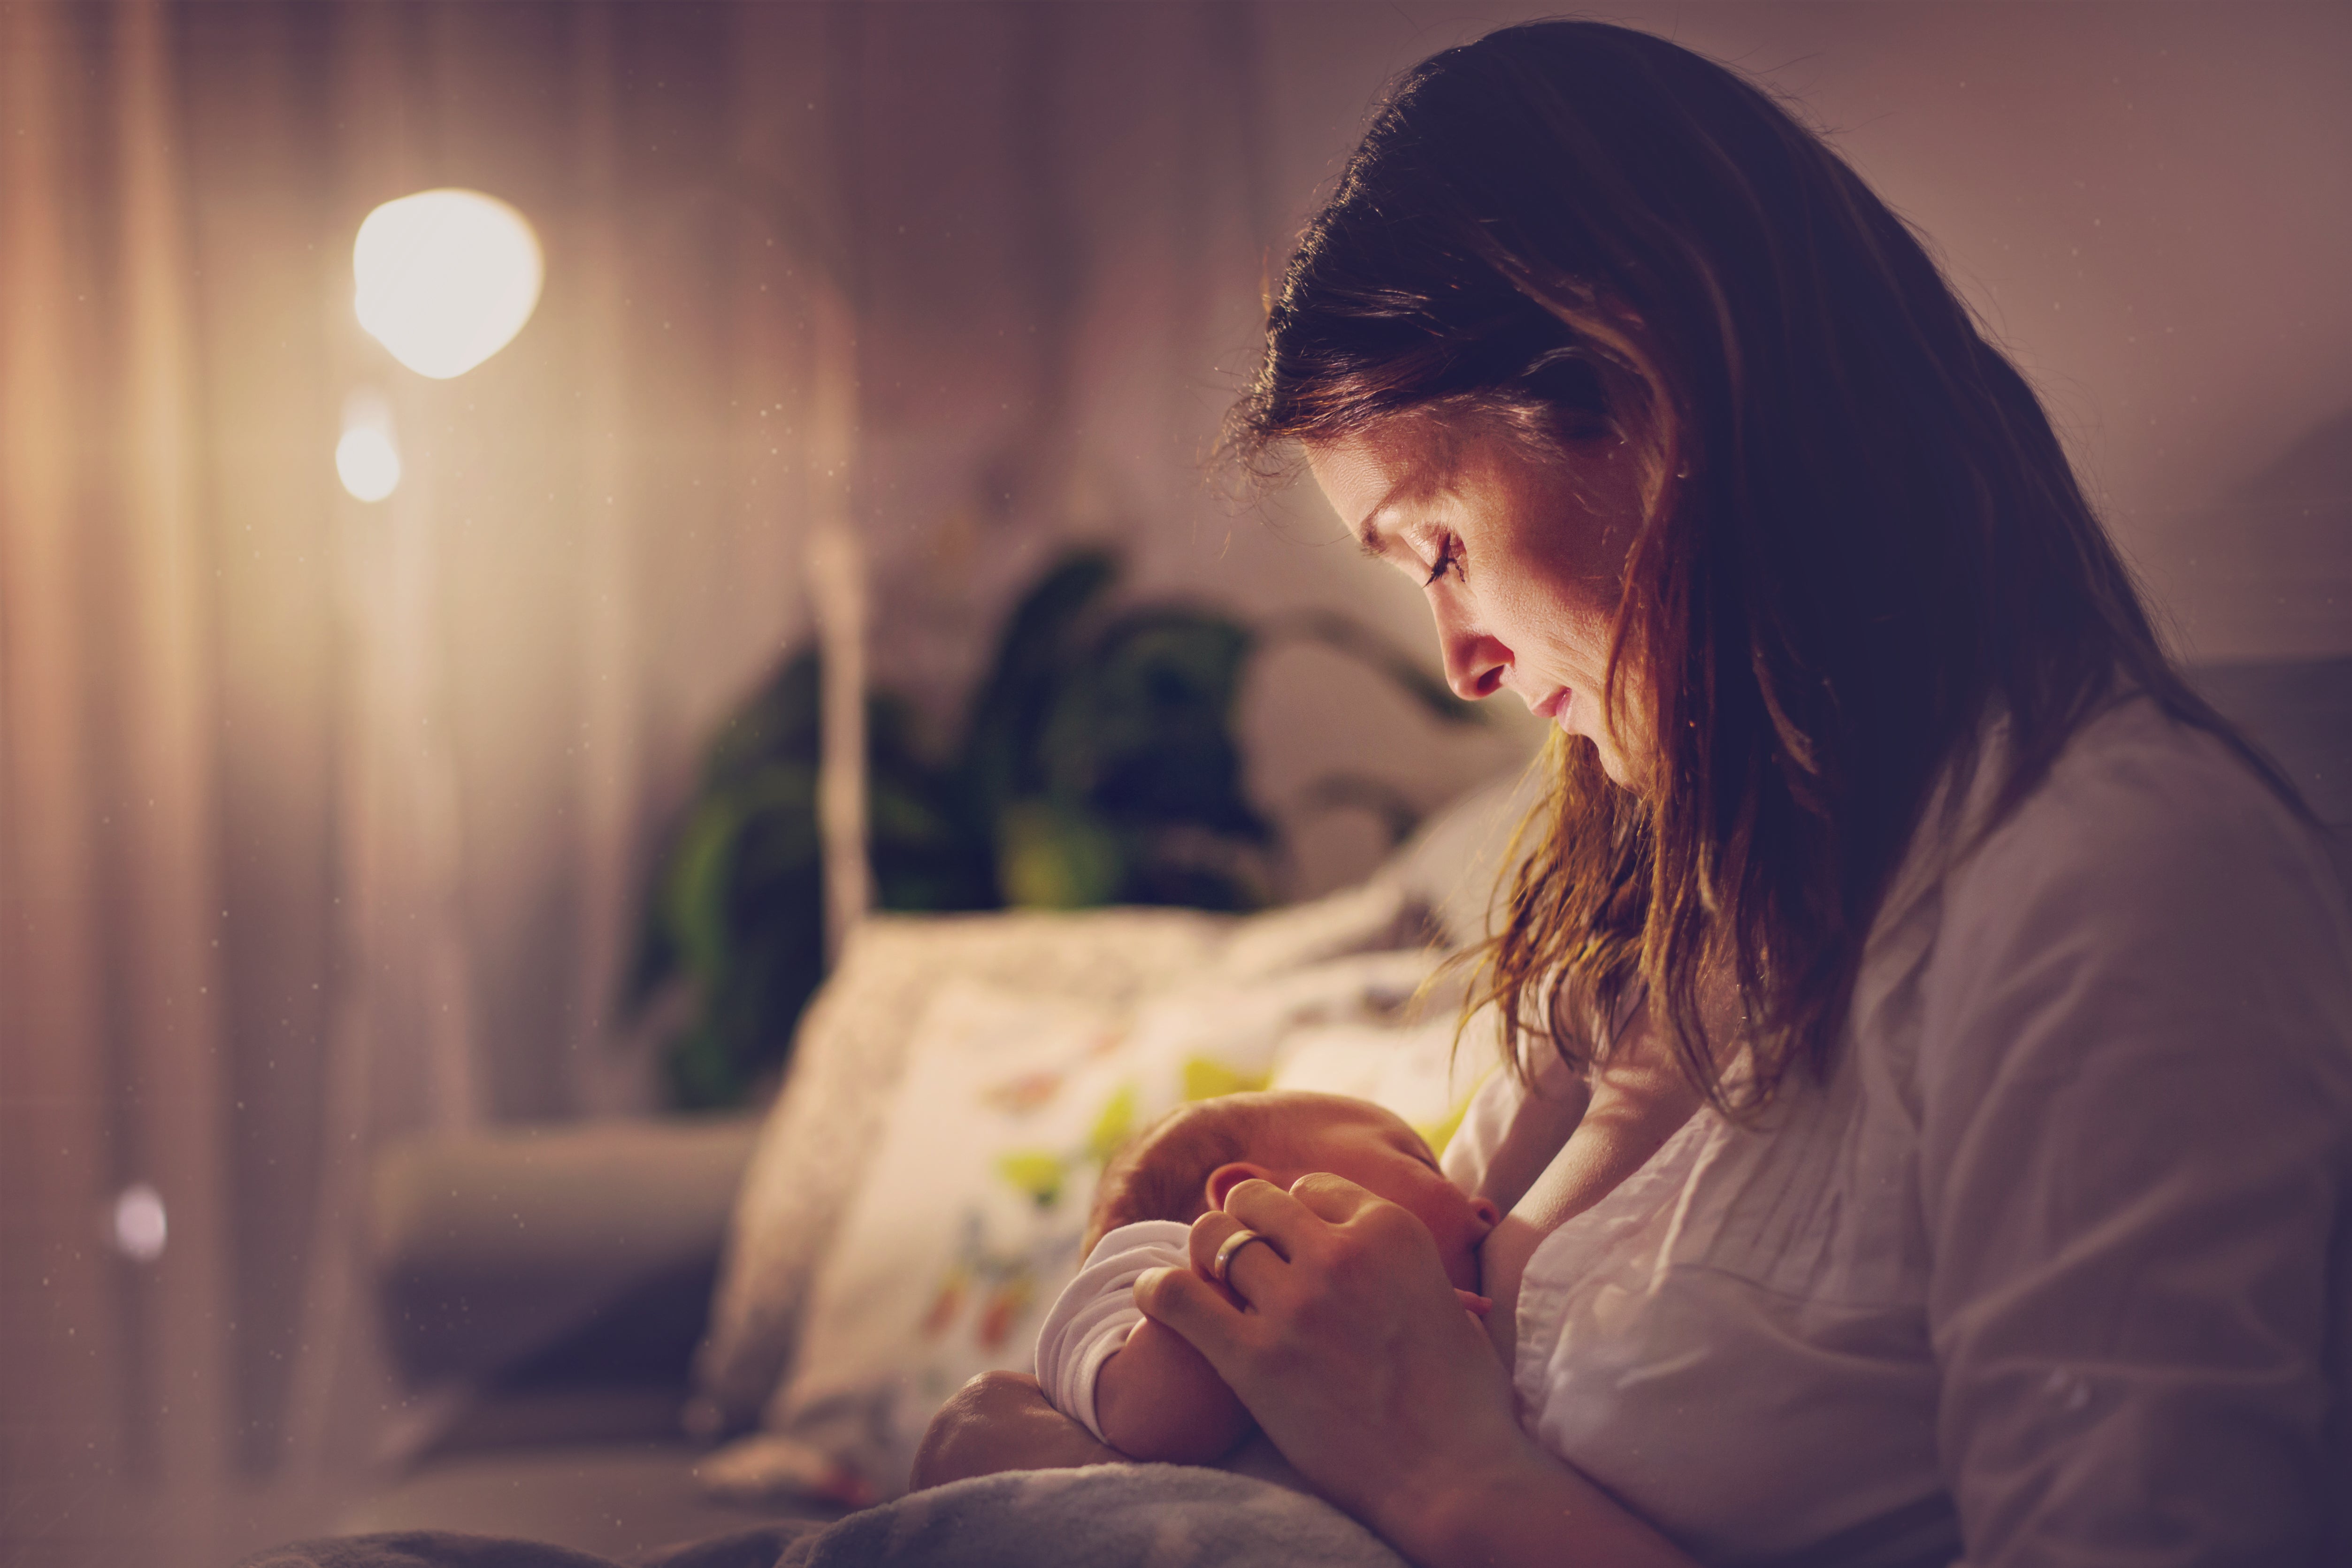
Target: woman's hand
[(1001, 1421), (1355, 1356)]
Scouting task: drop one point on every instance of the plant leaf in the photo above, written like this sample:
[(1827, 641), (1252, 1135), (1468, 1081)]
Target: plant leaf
[(1052, 855), (1010, 711)]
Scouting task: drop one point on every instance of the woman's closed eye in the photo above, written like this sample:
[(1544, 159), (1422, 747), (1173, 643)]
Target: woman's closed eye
[(1449, 558)]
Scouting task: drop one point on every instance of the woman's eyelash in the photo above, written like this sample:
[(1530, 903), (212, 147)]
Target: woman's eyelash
[(1448, 557)]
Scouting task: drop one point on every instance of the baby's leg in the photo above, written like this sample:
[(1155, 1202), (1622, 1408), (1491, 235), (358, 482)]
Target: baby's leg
[(1001, 1421)]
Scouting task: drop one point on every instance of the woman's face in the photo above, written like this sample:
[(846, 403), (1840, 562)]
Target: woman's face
[(1521, 557)]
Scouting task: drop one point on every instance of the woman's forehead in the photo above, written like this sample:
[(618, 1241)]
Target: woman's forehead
[(1393, 473), (1420, 445)]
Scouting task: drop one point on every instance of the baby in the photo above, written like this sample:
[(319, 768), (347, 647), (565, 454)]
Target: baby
[(1137, 1385)]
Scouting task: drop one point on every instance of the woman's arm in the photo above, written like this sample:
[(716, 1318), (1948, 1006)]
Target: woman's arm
[(1354, 1354), (2135, 1172), (1589, 1142)]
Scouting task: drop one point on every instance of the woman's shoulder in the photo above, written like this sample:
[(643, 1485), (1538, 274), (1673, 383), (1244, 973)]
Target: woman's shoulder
[(2152, 878), (2143, 814)]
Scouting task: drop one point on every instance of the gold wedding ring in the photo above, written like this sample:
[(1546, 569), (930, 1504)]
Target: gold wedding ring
[(1225, 1251)]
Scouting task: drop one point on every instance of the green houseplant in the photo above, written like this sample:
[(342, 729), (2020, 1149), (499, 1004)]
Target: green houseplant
[(1096, 764)]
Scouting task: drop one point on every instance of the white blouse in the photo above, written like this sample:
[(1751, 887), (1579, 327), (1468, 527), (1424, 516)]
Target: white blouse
[(2053, 1268)]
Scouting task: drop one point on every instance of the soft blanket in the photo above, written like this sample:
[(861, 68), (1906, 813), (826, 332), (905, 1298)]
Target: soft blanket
[(1139, 1516), (1132, 1516)]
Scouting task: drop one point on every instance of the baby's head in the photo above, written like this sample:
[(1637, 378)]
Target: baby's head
[(1184, 1166)]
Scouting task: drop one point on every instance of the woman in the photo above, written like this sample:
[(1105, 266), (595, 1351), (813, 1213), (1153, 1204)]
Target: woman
[(2011, 985)]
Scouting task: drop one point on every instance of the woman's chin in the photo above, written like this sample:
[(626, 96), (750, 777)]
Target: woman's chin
[(1606, 753), (1609, 755)]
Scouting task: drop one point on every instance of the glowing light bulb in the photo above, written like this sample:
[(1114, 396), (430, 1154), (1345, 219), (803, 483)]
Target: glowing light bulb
[(141, 1226), (365, 458), (445, 278)]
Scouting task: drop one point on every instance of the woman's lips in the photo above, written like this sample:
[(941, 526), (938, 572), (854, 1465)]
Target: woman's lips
[(1553, 710)]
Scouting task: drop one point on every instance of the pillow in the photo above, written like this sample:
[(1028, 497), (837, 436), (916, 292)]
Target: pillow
[(1216, 1035), (1457, 864), (1414, 1071), (844, 1066), (1373, 916), (965, 1226), (967, 1223), (853, 1040)]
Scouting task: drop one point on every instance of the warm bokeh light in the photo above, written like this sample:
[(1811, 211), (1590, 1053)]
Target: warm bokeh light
[(365, 458), (141, 1226), (445, 278)]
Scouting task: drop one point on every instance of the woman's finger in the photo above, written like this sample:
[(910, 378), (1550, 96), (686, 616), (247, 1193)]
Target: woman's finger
[(1216, 1252), (1333, 1199), (1287, 1220), (1209, 1233), (1194, 1308)]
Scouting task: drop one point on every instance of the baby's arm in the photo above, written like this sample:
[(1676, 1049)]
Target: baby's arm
[(1158, 1398), (1135, 1384), (1153, 1397)]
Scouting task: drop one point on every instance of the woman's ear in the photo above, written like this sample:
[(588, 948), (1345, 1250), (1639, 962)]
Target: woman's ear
[(1226, 1177)]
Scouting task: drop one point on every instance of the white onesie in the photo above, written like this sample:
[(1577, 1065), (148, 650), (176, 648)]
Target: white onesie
[(1096, 1311)]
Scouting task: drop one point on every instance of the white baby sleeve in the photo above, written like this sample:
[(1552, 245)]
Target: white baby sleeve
[(1094, 1314)]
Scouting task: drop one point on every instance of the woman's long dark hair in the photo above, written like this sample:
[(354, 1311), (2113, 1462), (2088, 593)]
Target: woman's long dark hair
[(1862, 539)]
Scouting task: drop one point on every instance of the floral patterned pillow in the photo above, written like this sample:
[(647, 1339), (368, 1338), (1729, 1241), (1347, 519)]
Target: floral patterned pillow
[(966, 1226), (1205, 999), (846, 1060)]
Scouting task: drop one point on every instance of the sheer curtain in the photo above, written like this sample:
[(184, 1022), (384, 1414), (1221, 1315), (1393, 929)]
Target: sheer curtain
[(321, 821), (107, 747)]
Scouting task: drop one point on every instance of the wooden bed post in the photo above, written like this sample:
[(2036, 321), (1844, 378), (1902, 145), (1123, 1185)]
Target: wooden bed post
[(836, 577)]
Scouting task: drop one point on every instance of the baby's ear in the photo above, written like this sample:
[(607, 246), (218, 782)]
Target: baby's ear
[(1226, 1177)]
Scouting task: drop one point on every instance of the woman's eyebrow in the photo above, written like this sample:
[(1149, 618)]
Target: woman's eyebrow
[(1368, 538), (1411, 488)]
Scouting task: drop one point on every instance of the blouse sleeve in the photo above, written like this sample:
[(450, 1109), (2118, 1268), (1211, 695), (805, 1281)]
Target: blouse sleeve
[(2134, 1093)]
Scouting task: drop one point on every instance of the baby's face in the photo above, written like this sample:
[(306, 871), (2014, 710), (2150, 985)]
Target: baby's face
[(1381, 1153)]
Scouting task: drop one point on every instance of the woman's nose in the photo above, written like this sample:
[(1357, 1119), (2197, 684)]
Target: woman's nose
[(1474, 660)]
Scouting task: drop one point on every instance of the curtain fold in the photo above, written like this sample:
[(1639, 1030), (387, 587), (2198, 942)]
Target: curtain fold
[(113, 1077), (167, 978), (322, 823), (59, 1148)]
